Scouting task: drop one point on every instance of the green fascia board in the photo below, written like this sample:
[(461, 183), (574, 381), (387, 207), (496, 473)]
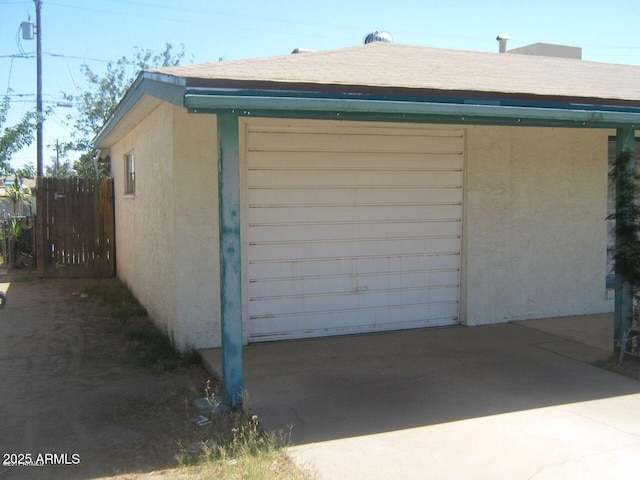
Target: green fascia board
[(407, 111), (162, 87)]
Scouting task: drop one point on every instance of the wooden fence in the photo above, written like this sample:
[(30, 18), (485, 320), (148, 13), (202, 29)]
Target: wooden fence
[(75, 227)]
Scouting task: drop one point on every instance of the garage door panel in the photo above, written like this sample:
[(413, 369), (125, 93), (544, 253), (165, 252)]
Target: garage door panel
[(355, 161), (353, 142), (294, 305), (293, 196), (352, 229), (341, 128), (334, 318), (346, 284), (316, 232), (314, 324), (340, 248), (311, 178), (272, 269), (331, 214)]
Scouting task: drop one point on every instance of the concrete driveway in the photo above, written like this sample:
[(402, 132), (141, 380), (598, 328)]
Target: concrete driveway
[(508, 401)]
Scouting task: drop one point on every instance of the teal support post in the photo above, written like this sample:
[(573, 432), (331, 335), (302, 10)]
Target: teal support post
[(625, 142), (230, 259)]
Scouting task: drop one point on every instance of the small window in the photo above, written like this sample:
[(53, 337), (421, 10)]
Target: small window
[(129, 174)]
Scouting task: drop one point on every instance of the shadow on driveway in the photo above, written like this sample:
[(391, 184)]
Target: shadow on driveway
[(351, 386)]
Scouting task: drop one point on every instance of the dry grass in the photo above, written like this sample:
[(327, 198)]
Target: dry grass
[(233, 446), (269, 466)]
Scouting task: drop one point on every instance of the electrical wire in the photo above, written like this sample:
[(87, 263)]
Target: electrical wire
[(75, 86), (73, 81), (209, 24), (19, 41), (61, 55), (286, 21), (204, 11), (9, 81)]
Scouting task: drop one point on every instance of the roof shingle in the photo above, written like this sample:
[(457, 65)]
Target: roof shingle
[(384, 65)]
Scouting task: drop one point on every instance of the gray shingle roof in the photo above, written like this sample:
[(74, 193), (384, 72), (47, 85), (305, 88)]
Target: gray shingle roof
[(383, 65)]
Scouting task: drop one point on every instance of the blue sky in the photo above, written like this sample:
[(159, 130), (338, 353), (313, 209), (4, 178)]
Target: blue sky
[(92, 32)]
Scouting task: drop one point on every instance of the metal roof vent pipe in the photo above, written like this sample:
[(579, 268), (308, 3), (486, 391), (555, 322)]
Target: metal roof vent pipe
[(377, 36), (503, 43)]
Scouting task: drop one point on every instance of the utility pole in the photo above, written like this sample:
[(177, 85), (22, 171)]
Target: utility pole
[(39, 112)]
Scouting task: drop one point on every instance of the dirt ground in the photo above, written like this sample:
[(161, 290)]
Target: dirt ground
[(69, 390)]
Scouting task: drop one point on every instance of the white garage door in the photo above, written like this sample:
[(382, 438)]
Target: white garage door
[(352, 228)]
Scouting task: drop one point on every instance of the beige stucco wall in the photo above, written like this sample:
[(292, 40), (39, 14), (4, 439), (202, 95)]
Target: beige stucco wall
[(166, 235), (197, 241), (535, 233)]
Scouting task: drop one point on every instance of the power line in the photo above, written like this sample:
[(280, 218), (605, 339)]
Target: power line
[(237, 26), (61, 55), (71, 75), (204, 11), (281, 20), (10, 71)]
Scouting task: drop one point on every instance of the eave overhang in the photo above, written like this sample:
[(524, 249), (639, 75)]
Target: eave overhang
[(409, 109), (147, 92), (335, 90), (357, 103)]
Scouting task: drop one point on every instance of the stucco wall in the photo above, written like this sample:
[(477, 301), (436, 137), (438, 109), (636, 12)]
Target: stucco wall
[(535, 233), (195, 184), (166, 235), (145, 249)]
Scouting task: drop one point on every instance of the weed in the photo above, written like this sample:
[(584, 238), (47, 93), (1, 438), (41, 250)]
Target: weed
[(118, 300), (150, 346), (234, 445), (231, 434), (267, 466), (235, 434)]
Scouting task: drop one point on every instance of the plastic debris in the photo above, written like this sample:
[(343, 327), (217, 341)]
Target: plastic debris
[(201, 421)]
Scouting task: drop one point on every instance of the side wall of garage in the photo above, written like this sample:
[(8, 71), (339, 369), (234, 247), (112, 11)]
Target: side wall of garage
[(166, 234), (197, 238), (145, 226), (535, 230)]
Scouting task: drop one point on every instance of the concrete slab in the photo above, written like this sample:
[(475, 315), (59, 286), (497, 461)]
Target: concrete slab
[(587, 338), (592, 330), (480, 402), (576, 350), (547, 443)]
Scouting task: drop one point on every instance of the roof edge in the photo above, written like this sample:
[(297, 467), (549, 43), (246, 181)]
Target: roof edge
[(467, 112), (163, 87), (194, 84)]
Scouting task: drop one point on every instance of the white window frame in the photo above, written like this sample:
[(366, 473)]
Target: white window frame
[(129, 174)]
